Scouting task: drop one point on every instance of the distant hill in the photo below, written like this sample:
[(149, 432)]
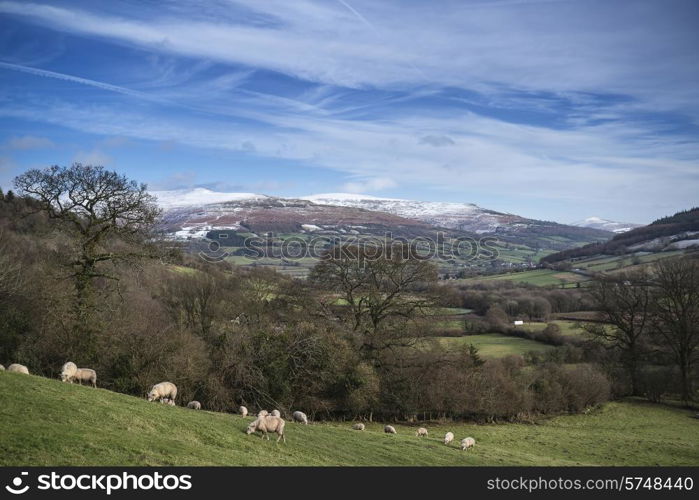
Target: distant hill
[(191, 214), (605, 224), (678, 231)]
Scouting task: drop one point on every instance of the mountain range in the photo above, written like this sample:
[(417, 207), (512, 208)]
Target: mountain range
[(195, 213)]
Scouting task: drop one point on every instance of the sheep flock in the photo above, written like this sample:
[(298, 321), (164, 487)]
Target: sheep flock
[(264, 422)]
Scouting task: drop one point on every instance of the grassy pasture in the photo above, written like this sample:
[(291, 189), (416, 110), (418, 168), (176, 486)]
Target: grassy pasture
[(48, 423)]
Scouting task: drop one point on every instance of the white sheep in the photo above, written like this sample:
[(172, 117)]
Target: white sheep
[(86, 375), (389, 429), (67, 371), (421, 432), (263, 413), (300, 416), (467, 443), (194, 405), (243, 411), (163, 390), (17, 368), (448, 437), (2, 368), (276, 413), (266, 424), (171, 402), (358, 427)]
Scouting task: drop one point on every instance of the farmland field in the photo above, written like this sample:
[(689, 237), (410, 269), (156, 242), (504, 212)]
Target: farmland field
[(494, 345), (537, 277), (568, 328)]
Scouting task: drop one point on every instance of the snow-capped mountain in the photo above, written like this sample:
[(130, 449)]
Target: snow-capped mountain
[(193, 214), (192, 218), (462, 216), (199, 197), (606, 225)]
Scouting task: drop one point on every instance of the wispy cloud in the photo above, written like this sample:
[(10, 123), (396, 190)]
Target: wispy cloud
[(27, 142)]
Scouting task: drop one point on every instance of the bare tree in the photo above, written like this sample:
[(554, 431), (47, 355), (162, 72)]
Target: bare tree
[(11, 282), (378, 284), (623, 301), (96, 207), (676, 314)]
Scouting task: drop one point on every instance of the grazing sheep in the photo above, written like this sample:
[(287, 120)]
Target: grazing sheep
[(163, 390), (243, 411), (389, 429), (448, 437), (266, 424), (17, 368), (300, 416), (2, 368), (86, 375), (68, 370), (194, 405), (467, 443), (421, 432), (358, 427), (276, 413), (263, 413), (171, 402)]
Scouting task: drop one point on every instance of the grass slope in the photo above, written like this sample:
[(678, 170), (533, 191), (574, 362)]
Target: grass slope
[(46, 422)]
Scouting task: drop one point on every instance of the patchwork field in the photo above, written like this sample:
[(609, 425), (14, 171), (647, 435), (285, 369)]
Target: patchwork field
[(46, 422)]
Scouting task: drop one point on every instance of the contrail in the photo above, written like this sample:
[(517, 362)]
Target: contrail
[(77, 79), (359, 16), (376, 31)]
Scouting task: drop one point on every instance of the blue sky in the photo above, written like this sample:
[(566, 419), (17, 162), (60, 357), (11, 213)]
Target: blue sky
[(550, 109)]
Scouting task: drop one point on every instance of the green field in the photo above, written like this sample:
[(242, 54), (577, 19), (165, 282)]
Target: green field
[(48, 423), (568, 328), (537, 277), (494, 345)]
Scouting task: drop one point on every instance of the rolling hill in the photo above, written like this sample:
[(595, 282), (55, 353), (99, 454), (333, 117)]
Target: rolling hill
[(191, 215), (676, 232), (45, 422)]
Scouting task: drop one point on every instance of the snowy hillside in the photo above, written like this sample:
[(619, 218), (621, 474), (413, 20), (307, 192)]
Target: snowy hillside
[(606, 225), (463, 216), (199, 197), (192, 214)]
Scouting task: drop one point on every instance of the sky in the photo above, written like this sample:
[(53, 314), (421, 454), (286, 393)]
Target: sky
[(556, 110)]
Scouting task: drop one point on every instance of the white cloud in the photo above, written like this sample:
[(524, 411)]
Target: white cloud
[(437, 140), (369, 185)]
